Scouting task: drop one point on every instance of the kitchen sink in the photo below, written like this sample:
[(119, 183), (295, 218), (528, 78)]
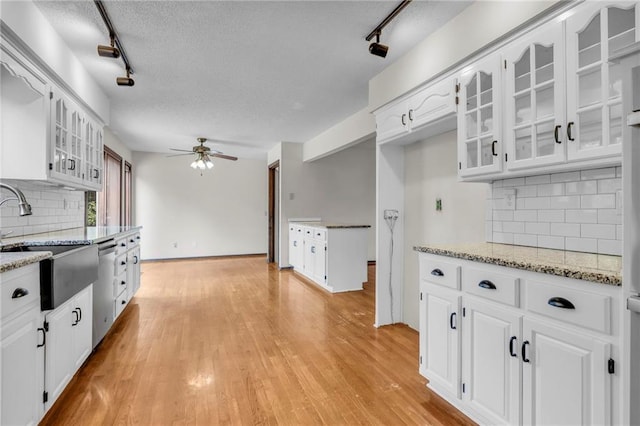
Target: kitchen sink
[(71, 269)]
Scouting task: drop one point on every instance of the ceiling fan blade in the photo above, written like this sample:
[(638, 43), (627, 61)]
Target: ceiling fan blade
[(179, 155), (226, 157), (181, 150)]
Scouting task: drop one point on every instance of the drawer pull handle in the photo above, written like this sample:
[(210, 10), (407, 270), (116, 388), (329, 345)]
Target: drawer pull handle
[(437, 272), (561, 302), (487, 284), (80, 313), (556, 134), (524, 351), (19, 292), (569, 127), (77, 318), (511, 344), (44, 338), (135, 260), (452, 317)]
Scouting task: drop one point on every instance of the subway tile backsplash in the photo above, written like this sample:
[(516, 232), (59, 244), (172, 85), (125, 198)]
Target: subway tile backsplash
[(579, 211), (53, 209)]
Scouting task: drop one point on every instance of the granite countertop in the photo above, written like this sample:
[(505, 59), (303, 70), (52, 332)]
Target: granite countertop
[(329, 225), (9, 261), (599, 268), (74, 236)]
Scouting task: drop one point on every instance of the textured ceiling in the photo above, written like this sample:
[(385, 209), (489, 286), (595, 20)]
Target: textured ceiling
[(251, 72)]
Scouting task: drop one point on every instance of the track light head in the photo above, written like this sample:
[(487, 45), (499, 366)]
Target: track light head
[(125, 81), (109, 51), (377, 48)]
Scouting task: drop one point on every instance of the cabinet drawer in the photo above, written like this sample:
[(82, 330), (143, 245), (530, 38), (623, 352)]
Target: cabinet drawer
[(119, 284), (121, 245), (120, 303), (121, 264), (586, 309), (440, 272), (19, 288), (319, 234), (491, 285), (133, 241)]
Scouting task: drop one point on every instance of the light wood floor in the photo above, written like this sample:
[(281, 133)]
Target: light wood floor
[(235, 341)]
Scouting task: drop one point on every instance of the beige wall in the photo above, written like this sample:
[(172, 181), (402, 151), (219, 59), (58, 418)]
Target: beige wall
[(430, 173), (222, 212)]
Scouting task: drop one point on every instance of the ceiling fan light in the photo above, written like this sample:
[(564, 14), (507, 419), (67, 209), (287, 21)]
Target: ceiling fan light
[(209, 164), (194, 165), (201, 164)]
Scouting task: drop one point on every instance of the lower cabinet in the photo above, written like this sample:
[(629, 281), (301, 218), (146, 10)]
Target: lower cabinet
[(21, 347), (332, 256), (133, 272), (496, 358), (69, 342)]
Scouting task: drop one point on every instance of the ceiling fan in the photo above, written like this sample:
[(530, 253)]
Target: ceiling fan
[(203, 155)]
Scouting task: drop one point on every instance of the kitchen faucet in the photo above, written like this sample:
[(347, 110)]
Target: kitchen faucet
[(25, 207)]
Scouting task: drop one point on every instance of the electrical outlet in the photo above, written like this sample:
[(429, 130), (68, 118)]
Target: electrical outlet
[(391, 214), (510, 198)]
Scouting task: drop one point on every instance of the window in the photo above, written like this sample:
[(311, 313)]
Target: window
[(112, 205)]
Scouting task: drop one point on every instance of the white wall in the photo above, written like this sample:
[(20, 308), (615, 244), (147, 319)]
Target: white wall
[(476, 26), (114, 142), (30, 25), (354, 129), (337, 188), (222, 212), (430, 173)]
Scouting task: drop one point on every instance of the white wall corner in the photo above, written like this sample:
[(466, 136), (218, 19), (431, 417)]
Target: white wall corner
[(274, 154)]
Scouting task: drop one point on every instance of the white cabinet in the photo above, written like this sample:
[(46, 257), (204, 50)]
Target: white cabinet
[(133, 272), (534, 99), (46, 136), (491, 337), (69, 340), (333, 257), (440, 338), (594, 86), (480, 142), (21, 347), (564, 376), (543, 355), (424, 107)]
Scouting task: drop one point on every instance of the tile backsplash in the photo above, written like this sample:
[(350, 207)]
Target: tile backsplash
[(578, 211), (53, 209)]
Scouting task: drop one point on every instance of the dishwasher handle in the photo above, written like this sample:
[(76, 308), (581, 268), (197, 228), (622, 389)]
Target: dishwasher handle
[(633, 304)]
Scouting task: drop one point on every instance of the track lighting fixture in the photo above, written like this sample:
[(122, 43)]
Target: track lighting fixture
[(377, 48), (109, 51), (125, 81)]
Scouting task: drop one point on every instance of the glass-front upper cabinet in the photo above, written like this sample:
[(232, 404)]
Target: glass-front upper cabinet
[(594, 103), (534, 99), (479, 118), (61, 135)]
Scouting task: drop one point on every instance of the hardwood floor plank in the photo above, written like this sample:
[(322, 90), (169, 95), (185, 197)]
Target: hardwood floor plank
[(236, 341)]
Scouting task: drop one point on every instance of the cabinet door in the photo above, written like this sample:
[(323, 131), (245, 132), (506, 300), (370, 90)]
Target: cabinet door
[(594, 104), (491, 367), (59, 351), (432, 103), (441, 357), (74, 166), (479, 119), (308, 255), (135, 282), (534, 99), (93, 152), (320, 261), (392, 122), (61, 135), (82, 330), (565, 378), (293, 247), (22, 365)]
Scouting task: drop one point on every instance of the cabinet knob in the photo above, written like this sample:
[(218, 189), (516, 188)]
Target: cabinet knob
[(123, 263), (123, 282), (124, 302), (19, 292), (561, 302)]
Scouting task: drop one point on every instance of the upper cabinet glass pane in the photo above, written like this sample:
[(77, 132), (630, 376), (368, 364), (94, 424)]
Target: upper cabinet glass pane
[(486, 86), (589, 43), (544, 63), (622, 24), (522, 69), (472, 91)]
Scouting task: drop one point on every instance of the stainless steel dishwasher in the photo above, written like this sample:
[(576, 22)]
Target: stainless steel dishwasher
[(103, 309)]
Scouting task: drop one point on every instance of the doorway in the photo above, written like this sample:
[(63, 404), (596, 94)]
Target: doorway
[(273, 254)]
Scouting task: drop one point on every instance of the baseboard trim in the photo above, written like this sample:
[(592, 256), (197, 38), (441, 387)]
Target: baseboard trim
[(226, 256)]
